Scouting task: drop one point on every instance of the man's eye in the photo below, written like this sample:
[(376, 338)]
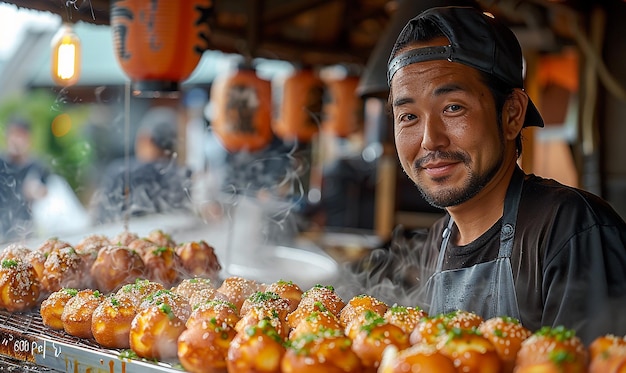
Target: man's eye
[(407, 117), (453, 108)]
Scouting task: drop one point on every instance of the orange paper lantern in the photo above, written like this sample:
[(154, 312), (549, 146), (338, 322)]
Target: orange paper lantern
[(159, 43), (242, 117), (343, 113), (302, 103)]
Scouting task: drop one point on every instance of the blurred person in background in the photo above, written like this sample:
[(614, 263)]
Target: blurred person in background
[(23, 181), (151, 181)]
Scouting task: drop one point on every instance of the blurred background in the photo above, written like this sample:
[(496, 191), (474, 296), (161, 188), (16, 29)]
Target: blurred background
[(327, 172)]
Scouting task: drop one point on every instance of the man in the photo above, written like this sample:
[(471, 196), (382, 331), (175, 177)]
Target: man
[(149, 183), (22, 181), (510, 244)]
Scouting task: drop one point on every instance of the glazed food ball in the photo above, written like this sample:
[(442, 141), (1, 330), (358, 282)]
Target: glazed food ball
[(257, 349), (116, 266), (52, 307), (63, 268), (254, 315), (406, 318), (190, 286), (78, 310), (17, 251), (555, 349), (160, 238), (358, 304), (373, 336), (198, 259), (506, 334), (52, 244), (430, 328), (217, 312), (178, 304), (19, 285), (237, 289), (316, 322), (162, 265), (154, 332), (142, 246), (287, 290), (422, 358), (470, 351), (608, 354), (203, 347), (13, 251), (329, 351), (89, 247), (138, 290), (111, 322), (124, 238), (267, 300), (318, 298)]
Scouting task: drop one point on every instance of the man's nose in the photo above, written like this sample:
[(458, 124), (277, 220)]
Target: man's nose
[(435, 135)]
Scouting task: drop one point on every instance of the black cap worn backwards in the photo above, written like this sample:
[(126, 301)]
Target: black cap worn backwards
[(476, 39)]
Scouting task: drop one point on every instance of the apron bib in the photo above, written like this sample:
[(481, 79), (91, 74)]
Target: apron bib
[(486, 289)]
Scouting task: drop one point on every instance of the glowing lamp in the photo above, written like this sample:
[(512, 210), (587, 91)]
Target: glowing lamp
[(66, 52)]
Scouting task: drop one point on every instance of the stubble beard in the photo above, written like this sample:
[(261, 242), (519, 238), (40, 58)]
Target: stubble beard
[(453, 196)]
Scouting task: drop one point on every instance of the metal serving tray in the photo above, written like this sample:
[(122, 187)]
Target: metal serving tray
[(24, 338)]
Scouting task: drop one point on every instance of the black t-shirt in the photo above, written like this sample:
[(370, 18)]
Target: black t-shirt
[(568, 260)]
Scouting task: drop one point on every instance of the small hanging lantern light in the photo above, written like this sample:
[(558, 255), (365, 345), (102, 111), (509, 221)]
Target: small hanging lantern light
[(66, 56), (343, 113), (301, 107), (158, 44), (242, 105)]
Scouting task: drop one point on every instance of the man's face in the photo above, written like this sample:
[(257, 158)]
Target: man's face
[(446, 131)]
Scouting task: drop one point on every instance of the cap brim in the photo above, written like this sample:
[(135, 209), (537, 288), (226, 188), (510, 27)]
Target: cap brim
[(533, 118)]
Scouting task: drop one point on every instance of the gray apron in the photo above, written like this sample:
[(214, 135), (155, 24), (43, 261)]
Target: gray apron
[(486, 289)]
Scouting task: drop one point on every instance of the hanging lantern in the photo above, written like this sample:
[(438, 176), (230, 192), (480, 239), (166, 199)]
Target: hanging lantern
[(158, 44), (343, 112), (66, 56), (301, 108), (242, 110)]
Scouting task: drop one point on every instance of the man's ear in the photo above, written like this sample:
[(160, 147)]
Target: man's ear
[(514, 113)]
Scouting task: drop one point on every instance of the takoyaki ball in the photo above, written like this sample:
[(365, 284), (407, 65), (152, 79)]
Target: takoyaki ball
[(138, 290), (162, 265), (470, 351), (506, 334), (418, 358), (216, 312), (316, 322), (179, 304), (267, 300), (190, 286), (358, 304), (160, 238), (111, 322), (430, 328), (142, 246), (257, 349), (206, 295), (52, 244), (373, 336), (255, 314), (406, 318), (198, 259), (115, 267), (600, 345), (52, 307), (63, 268), (329, 351), (19, 285), (608, 354), (89, 247), (318, 298), (237, 289), (78, 310), (124, 238), (287, 290), (154, 332), (552, 349), (203, 346), (37, 259), (13, 251)]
